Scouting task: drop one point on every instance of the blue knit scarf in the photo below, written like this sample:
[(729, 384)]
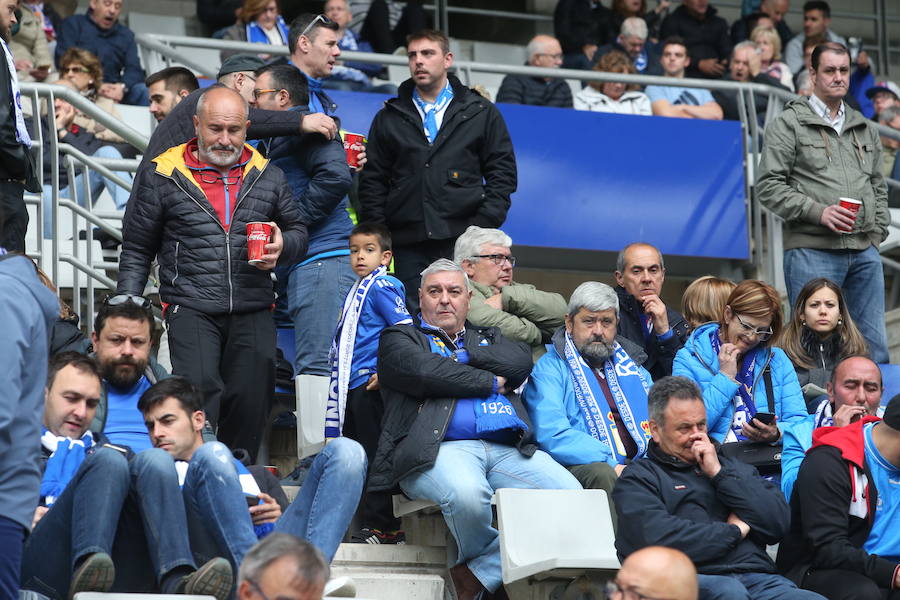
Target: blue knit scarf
[(65, 460)]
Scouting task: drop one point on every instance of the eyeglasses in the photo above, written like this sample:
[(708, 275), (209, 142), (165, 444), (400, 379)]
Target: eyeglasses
[(497, 259), (557, 56), (65, 70), (614, 591), (119, 299), (762, 334), (258, 93), (319, 19)]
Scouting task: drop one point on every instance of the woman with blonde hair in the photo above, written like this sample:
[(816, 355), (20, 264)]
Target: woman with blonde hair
[(735, 360), (82, 68), (259, 21), (769, 44), (820, 334), (613, 97), (704, 299)]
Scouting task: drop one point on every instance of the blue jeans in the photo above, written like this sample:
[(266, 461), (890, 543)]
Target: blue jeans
[(97, 184), (316, 293), (861, 277), (755, 586), (220, 522), (12, 536), (138, 95), (130, 511), (462, 481)]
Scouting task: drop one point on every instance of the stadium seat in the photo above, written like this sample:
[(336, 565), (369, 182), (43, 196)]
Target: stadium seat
[(890, 376), (312, 394)]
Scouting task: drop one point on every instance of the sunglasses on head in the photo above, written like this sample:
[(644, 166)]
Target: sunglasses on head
[(119, 299), (319, 19)]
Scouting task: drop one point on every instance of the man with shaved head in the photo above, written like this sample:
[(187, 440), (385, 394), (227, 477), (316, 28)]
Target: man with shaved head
[(543, 51), (655, 572), (190, 211)]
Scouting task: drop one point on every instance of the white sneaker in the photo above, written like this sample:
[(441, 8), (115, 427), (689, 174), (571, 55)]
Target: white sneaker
[(340, 587)]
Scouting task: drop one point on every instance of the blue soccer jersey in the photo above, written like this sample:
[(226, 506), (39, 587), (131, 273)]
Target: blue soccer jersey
[(384, 307)]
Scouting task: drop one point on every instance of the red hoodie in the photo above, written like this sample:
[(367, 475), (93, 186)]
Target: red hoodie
[(221, 191)]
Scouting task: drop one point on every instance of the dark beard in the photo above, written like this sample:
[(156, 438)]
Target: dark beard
[(120, 380), (596, 352), (4, 33)]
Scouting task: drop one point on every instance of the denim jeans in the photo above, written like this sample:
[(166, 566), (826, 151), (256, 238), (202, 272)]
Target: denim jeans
[(12, 537), (138, 95), (755, 586), (316, 293), (462, 481), (130, 511), (220, 522), (97, 184), (861, 277)]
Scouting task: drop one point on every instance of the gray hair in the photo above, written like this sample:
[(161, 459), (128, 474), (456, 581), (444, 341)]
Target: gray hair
[(442, 265), (593, 296), (745, 44), (620, 259), (667, 388), (889, 114), (535, 46), (634, 27), (310, 564), (201, 103), (470, 242)]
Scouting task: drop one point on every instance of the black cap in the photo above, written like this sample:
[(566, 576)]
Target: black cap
[(887, 87), (238, 63), (892, 413)]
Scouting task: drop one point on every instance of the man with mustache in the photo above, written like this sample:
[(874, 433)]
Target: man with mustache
[(817, 151), (587, 397), (190, 211)]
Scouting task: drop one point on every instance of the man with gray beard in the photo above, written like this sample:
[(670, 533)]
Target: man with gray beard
[(587, 397), (190, 211)]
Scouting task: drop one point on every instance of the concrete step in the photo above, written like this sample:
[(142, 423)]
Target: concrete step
[(388, 572)]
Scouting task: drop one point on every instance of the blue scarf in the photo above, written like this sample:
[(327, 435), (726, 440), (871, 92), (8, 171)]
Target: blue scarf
[(493, 413), (65, 460), (823, 415), (744, 407), (625, 381), (430, 110), (257, 34)]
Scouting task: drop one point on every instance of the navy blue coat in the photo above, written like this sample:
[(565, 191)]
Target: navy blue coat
[(115, 47)]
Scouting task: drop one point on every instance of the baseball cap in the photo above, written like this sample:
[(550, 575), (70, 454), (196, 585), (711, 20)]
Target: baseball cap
[(240, 62), (884, 86)]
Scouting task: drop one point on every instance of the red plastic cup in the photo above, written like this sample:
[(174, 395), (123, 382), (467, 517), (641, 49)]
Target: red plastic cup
[(852, 205), (258, 235), (354, 143)]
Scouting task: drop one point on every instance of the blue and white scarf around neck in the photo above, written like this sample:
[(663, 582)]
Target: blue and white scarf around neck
[(65, 460), (21, 131), (744, 407), (430, 110), (257, 34), (629, 389)]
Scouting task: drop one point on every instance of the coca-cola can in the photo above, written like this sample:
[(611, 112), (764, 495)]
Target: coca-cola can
[(354, 143), (258, 235)]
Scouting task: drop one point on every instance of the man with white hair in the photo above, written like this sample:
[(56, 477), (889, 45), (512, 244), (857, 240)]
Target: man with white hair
[(521, 311), (587, 397), (282, 566), (744, 67), (543, 51), (632, 41), (454, 429)]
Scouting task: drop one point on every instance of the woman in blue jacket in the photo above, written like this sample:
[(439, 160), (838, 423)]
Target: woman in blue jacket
[(728, 359)]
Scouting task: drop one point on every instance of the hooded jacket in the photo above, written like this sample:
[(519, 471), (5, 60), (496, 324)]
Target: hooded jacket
[(27, 311), (200, 263), (698, 361), (806, 166)]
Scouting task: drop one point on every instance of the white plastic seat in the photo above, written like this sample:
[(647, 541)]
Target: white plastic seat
[(404, 506), (312, 396), (554, 533)]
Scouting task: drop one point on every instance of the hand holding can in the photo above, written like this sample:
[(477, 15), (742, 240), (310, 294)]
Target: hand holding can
[(354, 143), (258, 235)]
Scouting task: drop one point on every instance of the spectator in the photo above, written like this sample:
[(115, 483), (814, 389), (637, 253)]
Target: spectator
[(64, 334), (622, 10), (102, 505), (386, 24), (883, 95), (314, 50), (751, 22), (731, 358), (355, 407), (217, 489), (613, 96), (319, 179), (282, 566), (704, 300), (27, 312), (260, 22), (769, 45), (821, 334), (705, 36), (890, 117), (587, 396), (745, 67), (426, 182), (83, 70), (674, 101), (632, 41), (816, 22), (432, 377), (521, 311), (17, 169), (217, 15), (646, 320), (543, 51), (29, 48), (655, 572), (221, 332), (50, 17), (581, 26), (99, 31), (715, 509), (775, 10), (354, 76), (843, 537), (854, 391), (821, 237), (167, 88), (803, 82)]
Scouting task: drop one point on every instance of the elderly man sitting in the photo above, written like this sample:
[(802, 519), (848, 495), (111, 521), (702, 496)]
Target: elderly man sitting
[(543, 51), (453, 429), (521, 311)]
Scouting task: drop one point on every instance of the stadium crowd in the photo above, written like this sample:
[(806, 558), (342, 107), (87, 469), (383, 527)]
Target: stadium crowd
[(715, 433)]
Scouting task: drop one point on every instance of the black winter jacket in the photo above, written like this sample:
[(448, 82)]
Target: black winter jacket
[(660, 353), (663, 501), (200, 264), (420, 388), (16, 162), (536, 91), (708, 38), (435, 191), (577, 23)]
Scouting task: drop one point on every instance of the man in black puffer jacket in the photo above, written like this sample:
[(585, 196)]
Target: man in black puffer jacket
[(191, 212)]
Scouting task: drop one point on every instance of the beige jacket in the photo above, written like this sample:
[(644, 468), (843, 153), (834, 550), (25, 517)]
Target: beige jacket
[(30, 43)]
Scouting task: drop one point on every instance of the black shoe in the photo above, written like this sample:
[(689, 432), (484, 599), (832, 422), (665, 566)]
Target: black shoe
[(370, 535), (95, 574), (215, 578)]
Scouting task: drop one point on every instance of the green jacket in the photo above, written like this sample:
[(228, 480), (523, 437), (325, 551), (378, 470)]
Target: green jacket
[(529, 315), (806, 166)]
